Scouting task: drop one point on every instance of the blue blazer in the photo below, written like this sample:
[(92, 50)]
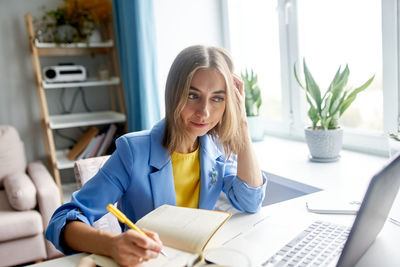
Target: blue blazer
[(138, 176)]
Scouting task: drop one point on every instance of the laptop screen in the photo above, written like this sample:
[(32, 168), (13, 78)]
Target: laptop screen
[(373, 212)]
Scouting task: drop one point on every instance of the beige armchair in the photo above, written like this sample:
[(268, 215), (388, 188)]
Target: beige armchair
[(28, 198), (84, 170)]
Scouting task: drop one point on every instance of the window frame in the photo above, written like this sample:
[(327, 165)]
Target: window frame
[(293, 102)]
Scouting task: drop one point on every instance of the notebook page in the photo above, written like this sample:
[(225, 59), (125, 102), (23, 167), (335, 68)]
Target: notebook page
[(174, 258), (184, 228)]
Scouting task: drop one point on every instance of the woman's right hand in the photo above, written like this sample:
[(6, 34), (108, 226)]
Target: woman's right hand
[(131, 248)]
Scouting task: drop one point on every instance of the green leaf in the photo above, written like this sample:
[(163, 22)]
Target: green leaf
[(311, 101), (335, 79), (258, 104), (333, 124), (326, 105), (342, 79), (394, 136), (255, 79), (347, 102), (329, 123), (313, 115), (324, 123), (297, 77), (340, 82), (312, 87), (335, 105), (333, 83), (352, 96)]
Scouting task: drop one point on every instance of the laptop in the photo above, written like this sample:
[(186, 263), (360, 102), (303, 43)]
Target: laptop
[(339, 245)]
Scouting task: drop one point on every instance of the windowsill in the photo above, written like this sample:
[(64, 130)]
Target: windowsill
[(289, 159)]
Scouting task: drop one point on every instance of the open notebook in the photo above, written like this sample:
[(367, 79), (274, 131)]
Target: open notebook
[(185, 232)]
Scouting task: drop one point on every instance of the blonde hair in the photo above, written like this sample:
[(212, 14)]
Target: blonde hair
[(179, 78)]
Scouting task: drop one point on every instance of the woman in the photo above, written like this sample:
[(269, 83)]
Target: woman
[(202, 147)]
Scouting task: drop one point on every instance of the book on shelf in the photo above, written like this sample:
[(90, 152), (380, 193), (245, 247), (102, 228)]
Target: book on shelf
[(107, 140), (96, 146), (120, 131), (88, 148), (82, 142), (185, 233)]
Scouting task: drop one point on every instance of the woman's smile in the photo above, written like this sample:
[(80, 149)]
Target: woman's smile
[(200, 124)]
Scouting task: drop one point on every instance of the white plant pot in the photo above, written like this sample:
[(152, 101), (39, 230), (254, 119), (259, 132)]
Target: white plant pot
[(324, 145), (256, 128), (95, 37), (66, 33)]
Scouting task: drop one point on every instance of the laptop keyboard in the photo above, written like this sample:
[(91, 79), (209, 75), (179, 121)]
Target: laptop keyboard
[(317, 245)]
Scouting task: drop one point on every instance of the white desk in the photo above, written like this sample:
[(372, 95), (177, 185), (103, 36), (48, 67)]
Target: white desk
[(261, 241), (350, 176)]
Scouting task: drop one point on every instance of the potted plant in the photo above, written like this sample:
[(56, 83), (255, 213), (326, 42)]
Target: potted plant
[(253, 103), (324, 137), (74, 21)]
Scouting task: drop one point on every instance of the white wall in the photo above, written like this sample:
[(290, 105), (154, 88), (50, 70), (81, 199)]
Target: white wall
[(18, 99)]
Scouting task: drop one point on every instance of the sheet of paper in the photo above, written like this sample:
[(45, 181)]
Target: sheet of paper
[(103, 261), (175, 258), (224, 256)]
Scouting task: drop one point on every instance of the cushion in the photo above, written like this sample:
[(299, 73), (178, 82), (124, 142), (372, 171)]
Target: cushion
[(85, 169), (12, 154), (17, 224), (20, 191)]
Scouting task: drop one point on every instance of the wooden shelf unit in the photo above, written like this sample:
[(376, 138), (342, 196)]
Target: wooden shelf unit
[(57, 157)]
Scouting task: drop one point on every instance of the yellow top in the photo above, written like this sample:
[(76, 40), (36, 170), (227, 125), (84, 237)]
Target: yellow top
[(186, 170)]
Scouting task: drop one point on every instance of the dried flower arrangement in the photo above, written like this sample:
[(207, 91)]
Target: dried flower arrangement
[(73, 21)]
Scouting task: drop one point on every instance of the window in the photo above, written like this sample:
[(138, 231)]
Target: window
[(339, 32), (255, 45), (271, 36)]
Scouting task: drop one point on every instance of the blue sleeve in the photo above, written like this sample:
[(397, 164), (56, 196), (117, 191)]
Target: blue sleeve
[(239, 194), (90, 202)]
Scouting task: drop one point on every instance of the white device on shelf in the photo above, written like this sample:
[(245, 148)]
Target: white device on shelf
[(64, 73)]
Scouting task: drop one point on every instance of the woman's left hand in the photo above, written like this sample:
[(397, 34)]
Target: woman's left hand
[(240, 94), (248, 169)]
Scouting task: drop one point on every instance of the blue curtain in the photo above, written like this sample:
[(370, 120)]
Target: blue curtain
[(136, 44)]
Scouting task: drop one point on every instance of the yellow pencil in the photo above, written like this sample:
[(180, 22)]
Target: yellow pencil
[(123, 219)]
